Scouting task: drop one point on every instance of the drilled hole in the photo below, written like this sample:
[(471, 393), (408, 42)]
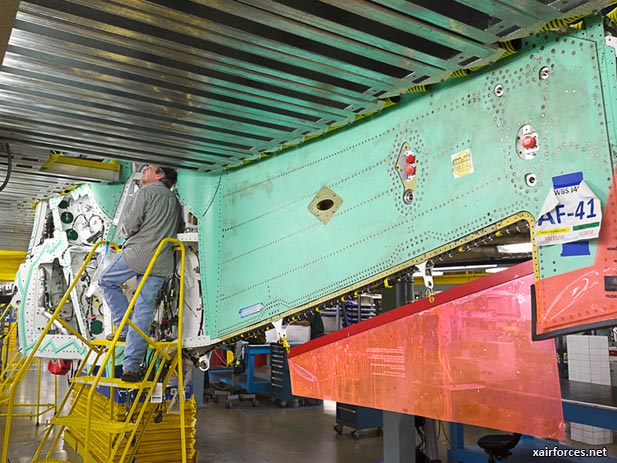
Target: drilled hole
[(325, 204)]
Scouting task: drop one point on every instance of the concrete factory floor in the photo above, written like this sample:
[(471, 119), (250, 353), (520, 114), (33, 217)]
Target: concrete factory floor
[(263, 434)]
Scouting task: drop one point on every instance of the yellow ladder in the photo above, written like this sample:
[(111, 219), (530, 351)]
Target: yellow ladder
[(32, 409), (93, 426), (124, 435), (11, 361), (9, 355), (21, 365)]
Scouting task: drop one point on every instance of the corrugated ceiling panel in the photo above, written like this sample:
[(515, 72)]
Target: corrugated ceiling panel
[(206, 84)]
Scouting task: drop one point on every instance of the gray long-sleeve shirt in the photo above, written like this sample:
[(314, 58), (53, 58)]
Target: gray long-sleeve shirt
[(154, 215)]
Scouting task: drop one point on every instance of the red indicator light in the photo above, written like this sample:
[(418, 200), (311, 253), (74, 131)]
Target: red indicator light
[(410, 159), (528, 142), (411, 170)]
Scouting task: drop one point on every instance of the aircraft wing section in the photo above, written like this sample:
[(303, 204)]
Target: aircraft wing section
[(468, 357)]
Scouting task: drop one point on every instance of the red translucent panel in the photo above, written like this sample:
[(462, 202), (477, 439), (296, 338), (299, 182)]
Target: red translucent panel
[(467, 358), (584, 298)]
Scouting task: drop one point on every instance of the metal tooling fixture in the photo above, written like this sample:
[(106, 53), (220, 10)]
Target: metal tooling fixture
[(65, 227), (264, 255)]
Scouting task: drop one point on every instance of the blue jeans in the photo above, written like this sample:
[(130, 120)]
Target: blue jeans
[(110, 283)]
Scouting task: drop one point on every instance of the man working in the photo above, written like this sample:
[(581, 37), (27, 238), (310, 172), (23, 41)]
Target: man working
[(154, 215)]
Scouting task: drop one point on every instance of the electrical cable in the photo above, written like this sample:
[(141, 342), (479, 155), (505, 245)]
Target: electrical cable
[(445, 434), (9, 168), (190, 309), (80, 215), (96, 216)]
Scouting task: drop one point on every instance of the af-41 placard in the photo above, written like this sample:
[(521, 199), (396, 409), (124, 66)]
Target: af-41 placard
[(571, 212)]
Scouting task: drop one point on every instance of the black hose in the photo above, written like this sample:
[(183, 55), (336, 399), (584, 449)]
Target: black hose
[(9, 166)]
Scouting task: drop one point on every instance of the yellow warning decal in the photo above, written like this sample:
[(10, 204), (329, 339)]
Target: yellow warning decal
[(462, 163)]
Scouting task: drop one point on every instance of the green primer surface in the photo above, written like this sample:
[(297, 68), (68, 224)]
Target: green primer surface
[(261, 248)]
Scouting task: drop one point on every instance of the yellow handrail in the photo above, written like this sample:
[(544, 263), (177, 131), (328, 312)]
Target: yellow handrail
[(19, 376), (6, 311), (179, 354), (49, 429), (5, 361), (4, 352), (163, 354), (174, 366)]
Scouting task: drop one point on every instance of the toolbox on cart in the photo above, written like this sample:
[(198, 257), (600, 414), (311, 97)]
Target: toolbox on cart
[(357, 418), (280, 383)]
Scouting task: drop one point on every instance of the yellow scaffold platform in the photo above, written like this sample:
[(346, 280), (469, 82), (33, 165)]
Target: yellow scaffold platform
[(105, 419)]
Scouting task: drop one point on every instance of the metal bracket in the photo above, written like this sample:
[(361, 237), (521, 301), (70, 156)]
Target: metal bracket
[(426, 269)]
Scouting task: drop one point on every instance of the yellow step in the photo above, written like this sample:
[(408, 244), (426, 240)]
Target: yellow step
[(112, 382), (105, 342), (110, 427)]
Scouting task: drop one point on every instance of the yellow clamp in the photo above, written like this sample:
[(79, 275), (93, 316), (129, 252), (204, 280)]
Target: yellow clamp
[(431, 297), (285, 343), (387, 284)]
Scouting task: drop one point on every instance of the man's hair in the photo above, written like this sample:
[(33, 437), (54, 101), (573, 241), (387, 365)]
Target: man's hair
[(170, 176)]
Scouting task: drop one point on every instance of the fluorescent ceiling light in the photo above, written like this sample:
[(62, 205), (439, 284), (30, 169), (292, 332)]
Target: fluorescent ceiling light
[(81, 168), (516, 248)]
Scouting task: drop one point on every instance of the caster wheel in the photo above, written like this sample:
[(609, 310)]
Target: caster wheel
[(227, 404), (254, 403), (355, 435), (338, 428)]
